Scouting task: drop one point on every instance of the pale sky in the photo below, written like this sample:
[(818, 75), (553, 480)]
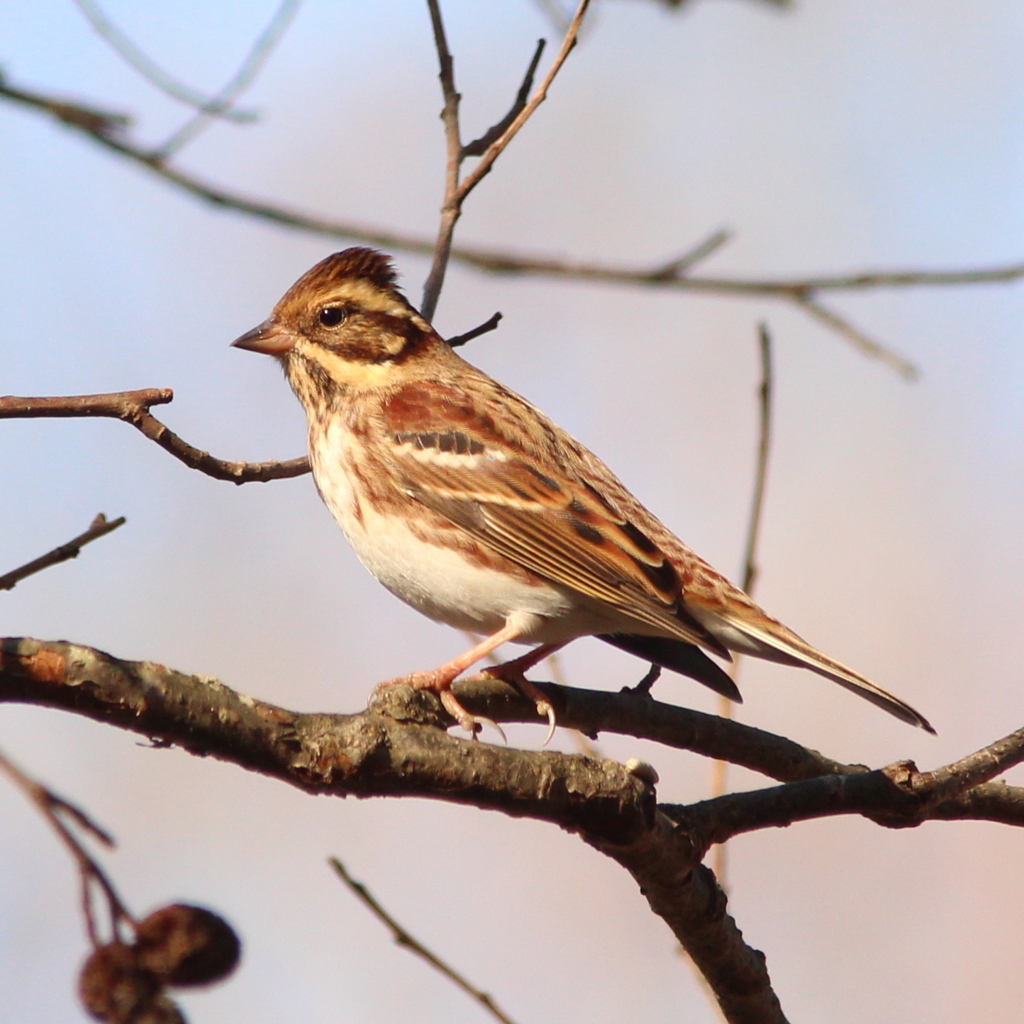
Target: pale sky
[(843, 135)]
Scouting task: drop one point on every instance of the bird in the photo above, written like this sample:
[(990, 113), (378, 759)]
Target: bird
[(469, 504)]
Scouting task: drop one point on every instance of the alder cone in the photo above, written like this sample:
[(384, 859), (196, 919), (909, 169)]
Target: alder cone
[(185, 945), (114, 988)]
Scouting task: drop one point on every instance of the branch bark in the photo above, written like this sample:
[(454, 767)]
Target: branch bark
[(133, 407), (399, 747), (100, 527)]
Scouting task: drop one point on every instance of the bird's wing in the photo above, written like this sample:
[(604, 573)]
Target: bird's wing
[(539, 517)]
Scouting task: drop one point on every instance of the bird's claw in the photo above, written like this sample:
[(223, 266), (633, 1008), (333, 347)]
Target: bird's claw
[(471, 723)]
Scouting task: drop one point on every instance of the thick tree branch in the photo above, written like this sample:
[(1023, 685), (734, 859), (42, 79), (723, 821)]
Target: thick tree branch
[(634, 713), (393, 749), (133, 407), (685, 894), (396, 748), (898, 796)]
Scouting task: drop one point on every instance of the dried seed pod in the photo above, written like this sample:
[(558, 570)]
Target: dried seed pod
[(185, 945), (114, 987)]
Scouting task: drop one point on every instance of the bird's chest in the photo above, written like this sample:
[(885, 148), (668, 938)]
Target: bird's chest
[(421, 558)]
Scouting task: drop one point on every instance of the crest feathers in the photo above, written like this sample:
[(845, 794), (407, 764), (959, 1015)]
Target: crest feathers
[(357, 263)]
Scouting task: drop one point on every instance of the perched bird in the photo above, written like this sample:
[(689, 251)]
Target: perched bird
[(473, 507)]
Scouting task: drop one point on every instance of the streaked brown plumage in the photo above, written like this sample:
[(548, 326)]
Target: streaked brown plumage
[(472, 506)]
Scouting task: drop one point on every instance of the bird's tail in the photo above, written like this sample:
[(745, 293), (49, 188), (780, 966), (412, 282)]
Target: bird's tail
[(766, 638)]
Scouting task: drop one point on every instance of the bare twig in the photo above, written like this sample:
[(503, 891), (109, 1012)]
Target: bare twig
[(100, 527), (455, 189), (764, 441), (94, 122), (855, 336), (133, 407), (479, 146), (697, 254), (239, 82), (720, 768), (411, 943), (91, 874), (102, 127), (450, 210), (495, 149), (132, 55), (484, 328)]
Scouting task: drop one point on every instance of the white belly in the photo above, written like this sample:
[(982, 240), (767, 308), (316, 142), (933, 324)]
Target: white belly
[(440, 581)]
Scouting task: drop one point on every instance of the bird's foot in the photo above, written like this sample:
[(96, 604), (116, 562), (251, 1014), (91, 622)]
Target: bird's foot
[(512, 672), (440, 682)]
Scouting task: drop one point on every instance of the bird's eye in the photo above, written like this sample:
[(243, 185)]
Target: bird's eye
[(331, 316)]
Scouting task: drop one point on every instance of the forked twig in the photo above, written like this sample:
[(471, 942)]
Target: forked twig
[(479, 146), (133, 55), (52, 808), (100, 527), (403, 938), (238, 83), (457, 189), (106, 129)]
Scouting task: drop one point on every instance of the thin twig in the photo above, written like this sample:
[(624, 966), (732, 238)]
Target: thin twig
[(697, 254), (456, 190), (102, 127), (720, 767), (484, 328), (96, 123), (133, 407), (100, 528), (132, 55), (479, 146), (764, 393), (51, 806), (855, 336), (239, 82), (495, 149), (450, 208), (403, 938)]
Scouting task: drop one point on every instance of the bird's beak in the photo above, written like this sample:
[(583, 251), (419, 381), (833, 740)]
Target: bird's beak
[(270, 339)]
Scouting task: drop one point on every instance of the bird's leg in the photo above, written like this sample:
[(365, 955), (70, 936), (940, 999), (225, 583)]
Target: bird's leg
[(440, 679), (514, 672)]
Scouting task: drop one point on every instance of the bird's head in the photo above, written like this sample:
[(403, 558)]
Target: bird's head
[(344, 324)]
